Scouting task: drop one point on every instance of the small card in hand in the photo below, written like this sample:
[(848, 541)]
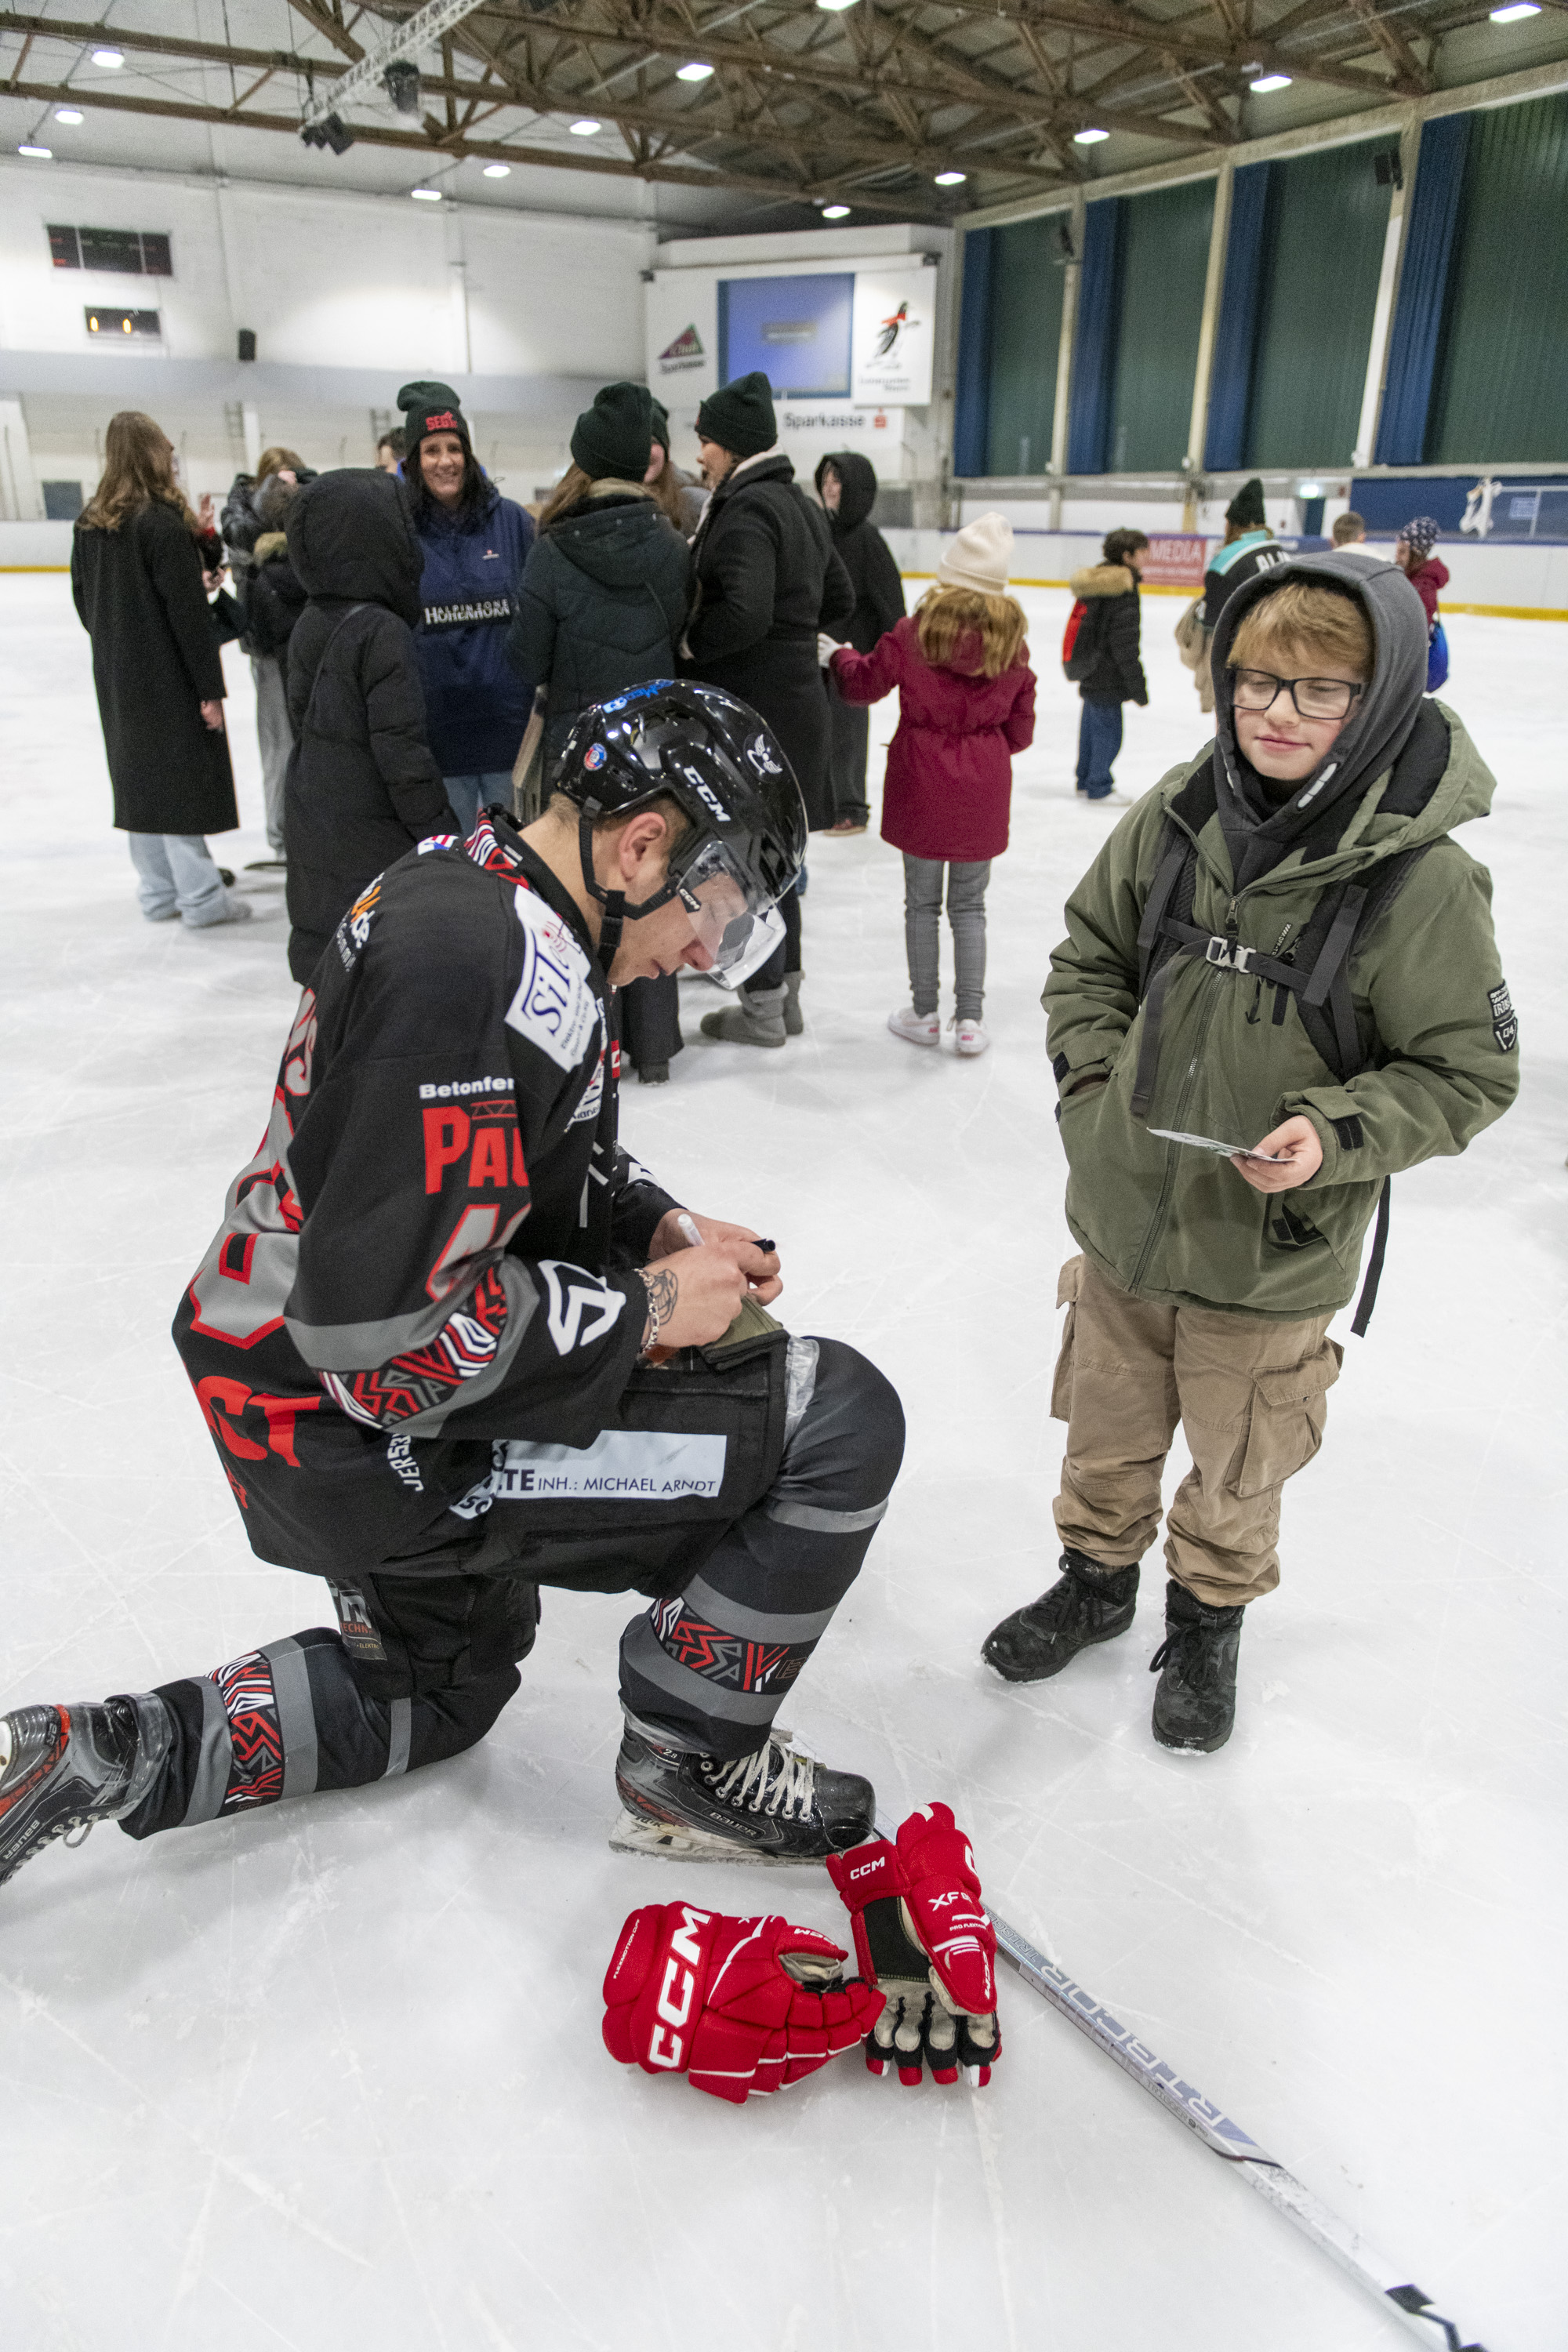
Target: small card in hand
[(1226, 1151)]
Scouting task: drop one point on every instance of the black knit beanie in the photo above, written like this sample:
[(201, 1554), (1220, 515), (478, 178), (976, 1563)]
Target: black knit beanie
[(660, 425), (432, 408), (614, 438), (1246, 510), (741, 417)]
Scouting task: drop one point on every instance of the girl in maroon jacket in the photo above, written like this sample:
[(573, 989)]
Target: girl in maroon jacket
[(966, 704)]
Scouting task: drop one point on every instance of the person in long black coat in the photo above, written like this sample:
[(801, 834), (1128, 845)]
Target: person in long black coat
[(600, 604), (362, 787), (846, 485), (765, 579), (137, 578)]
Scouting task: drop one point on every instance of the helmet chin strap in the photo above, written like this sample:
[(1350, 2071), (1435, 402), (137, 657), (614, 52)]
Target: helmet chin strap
[(617, 914)]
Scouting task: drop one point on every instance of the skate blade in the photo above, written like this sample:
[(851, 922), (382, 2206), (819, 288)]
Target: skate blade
[(632, 1834)]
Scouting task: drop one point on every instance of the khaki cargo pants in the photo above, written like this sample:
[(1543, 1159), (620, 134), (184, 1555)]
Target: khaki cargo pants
[(1251, 1398)]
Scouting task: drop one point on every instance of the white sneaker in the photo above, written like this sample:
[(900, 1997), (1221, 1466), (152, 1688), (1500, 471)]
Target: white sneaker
[(918, 1028), (1111, 800), (969, 1036)]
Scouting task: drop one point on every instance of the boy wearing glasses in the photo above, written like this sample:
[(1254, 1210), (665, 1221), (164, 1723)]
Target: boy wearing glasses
[(1279, 942)]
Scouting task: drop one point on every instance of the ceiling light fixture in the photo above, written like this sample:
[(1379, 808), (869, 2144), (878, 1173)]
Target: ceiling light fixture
[(40, 154), (951, 179), (68, 114), (498, 171), (1089, 138), (834, 6), (1513, 11), (425, 196), (1267, 82), (110, 58), (834, 212), (695, 71), (584, 129)]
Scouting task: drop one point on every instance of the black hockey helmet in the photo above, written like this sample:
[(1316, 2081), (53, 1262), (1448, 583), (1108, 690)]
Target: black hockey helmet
[(712, 755)]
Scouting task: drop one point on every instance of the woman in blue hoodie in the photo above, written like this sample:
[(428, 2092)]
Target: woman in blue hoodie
[(474, 543)]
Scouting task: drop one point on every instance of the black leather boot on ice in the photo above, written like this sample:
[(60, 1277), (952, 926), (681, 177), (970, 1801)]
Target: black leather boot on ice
[(1087, 1604), (1194, 1704)]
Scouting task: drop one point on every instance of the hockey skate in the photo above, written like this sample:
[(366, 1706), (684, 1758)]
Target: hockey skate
[(63, 1768), (776, 1806)]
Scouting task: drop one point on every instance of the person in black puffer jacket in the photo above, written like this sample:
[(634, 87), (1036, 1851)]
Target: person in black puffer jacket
[(765, 582), (846, 485), (1105, 665), (599, 607), (363, 786)]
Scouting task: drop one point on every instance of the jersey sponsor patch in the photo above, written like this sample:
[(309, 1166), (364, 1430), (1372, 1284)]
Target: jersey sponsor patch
[(555, 1007), (1505, 1021), (593, 1095), (580, 1308), (621, 1466)]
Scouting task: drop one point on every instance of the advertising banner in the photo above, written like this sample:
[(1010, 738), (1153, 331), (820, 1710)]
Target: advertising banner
[(682, 319), (1176, 560), (895, 328)]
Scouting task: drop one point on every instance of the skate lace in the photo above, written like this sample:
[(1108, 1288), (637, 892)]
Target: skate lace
[(758, 1785)]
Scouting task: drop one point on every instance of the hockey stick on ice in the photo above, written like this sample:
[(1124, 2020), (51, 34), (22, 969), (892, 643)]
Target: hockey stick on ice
[(1215, 2128)]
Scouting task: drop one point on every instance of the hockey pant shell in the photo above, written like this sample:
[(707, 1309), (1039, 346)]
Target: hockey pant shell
[(1251, 1397), (426, 1655), (418, 1672)]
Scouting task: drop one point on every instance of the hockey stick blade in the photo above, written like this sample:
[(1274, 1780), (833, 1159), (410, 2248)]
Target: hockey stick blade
[(1221, 2133)]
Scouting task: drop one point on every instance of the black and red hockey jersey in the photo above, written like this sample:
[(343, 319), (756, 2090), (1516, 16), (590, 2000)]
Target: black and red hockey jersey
[(433, 1246)]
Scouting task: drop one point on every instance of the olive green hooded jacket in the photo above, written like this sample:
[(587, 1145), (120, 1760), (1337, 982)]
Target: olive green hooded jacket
[(1168, 1221)]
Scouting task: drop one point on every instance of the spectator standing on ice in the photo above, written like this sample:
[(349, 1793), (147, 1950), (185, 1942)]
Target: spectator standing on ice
[(680, 497), (1104, 663), (476, 543), (139, 562), (846, 485), (1279, 987), (1248, 549), (391, 450), (1428, 574), (765, 582), (364, 788), (250, 511), (966, 703), (601, 603)]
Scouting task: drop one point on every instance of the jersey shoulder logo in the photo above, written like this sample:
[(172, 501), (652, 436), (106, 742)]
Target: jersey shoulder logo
[(555, 1007)]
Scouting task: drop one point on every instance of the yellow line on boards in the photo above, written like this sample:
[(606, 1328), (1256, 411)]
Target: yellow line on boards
[(34, 567)]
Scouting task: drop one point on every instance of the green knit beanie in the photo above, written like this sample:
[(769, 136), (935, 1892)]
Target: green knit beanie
[(741, 417), (614, 438)]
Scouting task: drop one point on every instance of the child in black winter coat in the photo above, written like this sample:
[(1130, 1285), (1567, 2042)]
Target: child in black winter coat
[(363, 786), (1103, 661), (846, 485)]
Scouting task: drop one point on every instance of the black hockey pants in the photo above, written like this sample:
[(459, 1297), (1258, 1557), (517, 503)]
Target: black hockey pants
[(423, 1662)]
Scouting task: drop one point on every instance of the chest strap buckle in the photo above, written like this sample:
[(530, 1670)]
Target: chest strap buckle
[(1229, 954)]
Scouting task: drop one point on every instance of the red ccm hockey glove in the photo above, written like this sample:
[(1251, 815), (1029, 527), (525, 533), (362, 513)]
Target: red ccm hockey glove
[(922, 1935), (735, 2005)]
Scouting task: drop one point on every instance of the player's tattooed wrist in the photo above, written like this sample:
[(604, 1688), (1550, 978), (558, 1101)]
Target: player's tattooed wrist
[(663, 1290)]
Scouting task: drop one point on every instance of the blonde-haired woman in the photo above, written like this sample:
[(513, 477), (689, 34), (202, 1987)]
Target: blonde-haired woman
[(137, 576)]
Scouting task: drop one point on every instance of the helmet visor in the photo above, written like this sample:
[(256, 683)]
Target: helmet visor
[(727, 910)]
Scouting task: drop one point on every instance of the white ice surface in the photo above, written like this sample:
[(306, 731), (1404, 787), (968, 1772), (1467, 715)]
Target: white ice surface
[(332, 2077)]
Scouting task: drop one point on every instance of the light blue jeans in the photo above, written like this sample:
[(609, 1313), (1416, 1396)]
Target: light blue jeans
[(176, 876), (469, 794)]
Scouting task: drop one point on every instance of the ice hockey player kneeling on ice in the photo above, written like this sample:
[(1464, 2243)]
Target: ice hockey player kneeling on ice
[(451, 1344), (1279, 948)]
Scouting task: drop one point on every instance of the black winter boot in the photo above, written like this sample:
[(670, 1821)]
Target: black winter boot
[(1087, 1604), (1195, 1705)]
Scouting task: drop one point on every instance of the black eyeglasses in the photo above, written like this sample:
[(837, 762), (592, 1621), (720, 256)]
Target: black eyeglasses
[(1314, 697)]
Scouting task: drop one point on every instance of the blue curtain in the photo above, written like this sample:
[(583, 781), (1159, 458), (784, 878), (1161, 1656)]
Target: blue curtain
[(1423, 292), (1236, 338), (1094, 342), (972, 406)]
